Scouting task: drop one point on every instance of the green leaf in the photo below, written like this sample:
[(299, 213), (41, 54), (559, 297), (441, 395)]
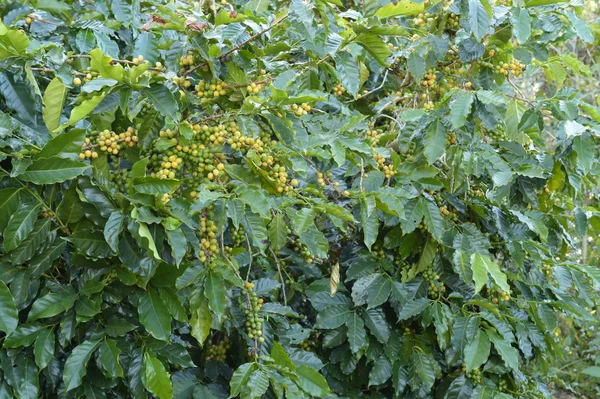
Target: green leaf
[(113, 229), (375, 46), (381, 371), (357, 336), (17, 95), (482, 265), (163, 101), (514, 113), (64, 145), (312, 382), (521, 24), (479, 272), (435, 141), (277, 232), (227, 17), (370, 220), (155, 185), (348, 72), (51, 304), (173, 303), (44, 347), (13, 42), (53, 170), (240, 378), (91, 243), (8, 310), (537, 3), (201, 321), (10, 200), (433, 220), (146, 45), (509, 354), (178, 244), (109, 358), (103, 65), (148, 240), (416, 66), (413, 308), (154, 315), (402, 7), (54, 99), (76, 364), (82, 110), (377, 324), (479, 20), (594, 371), (302, 220), (156, 379), (378, 291), (477, 351), (214, 291), (460, 108), (257, 384), (333, 317), (20, 225), (582, 28)]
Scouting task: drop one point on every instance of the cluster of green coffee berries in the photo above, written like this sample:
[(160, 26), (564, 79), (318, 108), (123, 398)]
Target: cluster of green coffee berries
[(474, 375), (218, 352), (429, 79), (238, 237), (494, 136), (436, 287), (502, 385), (211, 89), (187, 60), (255, 88), (373, 135), (422, 19), (251, 305), (452, 21), (339, 90), (301, 109), (108, 142), (505, 68), (182, 81), (278, 173), (386, 168), (119, 179), (309, 344), (378, 251), (451, 139), (408, 153), (303, 251), (497, 296), (194, 162), (88, 75), (444, 210), (208, 243)]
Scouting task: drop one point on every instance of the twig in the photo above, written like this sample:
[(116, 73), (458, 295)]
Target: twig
[(237, 47), (124, 62), (45, 21), (280, 276)]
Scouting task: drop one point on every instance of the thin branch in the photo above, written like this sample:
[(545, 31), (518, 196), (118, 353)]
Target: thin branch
[(237, 47), (124, 62), (280, 276)]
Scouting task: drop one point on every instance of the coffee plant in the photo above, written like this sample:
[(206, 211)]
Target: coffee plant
[(296, 199)]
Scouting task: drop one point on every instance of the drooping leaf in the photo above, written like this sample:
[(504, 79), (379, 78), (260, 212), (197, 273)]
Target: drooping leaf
[(76, 364), (154, 315), (54, 98)]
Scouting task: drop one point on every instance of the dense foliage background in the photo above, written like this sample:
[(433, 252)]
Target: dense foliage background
[(306, 198)]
